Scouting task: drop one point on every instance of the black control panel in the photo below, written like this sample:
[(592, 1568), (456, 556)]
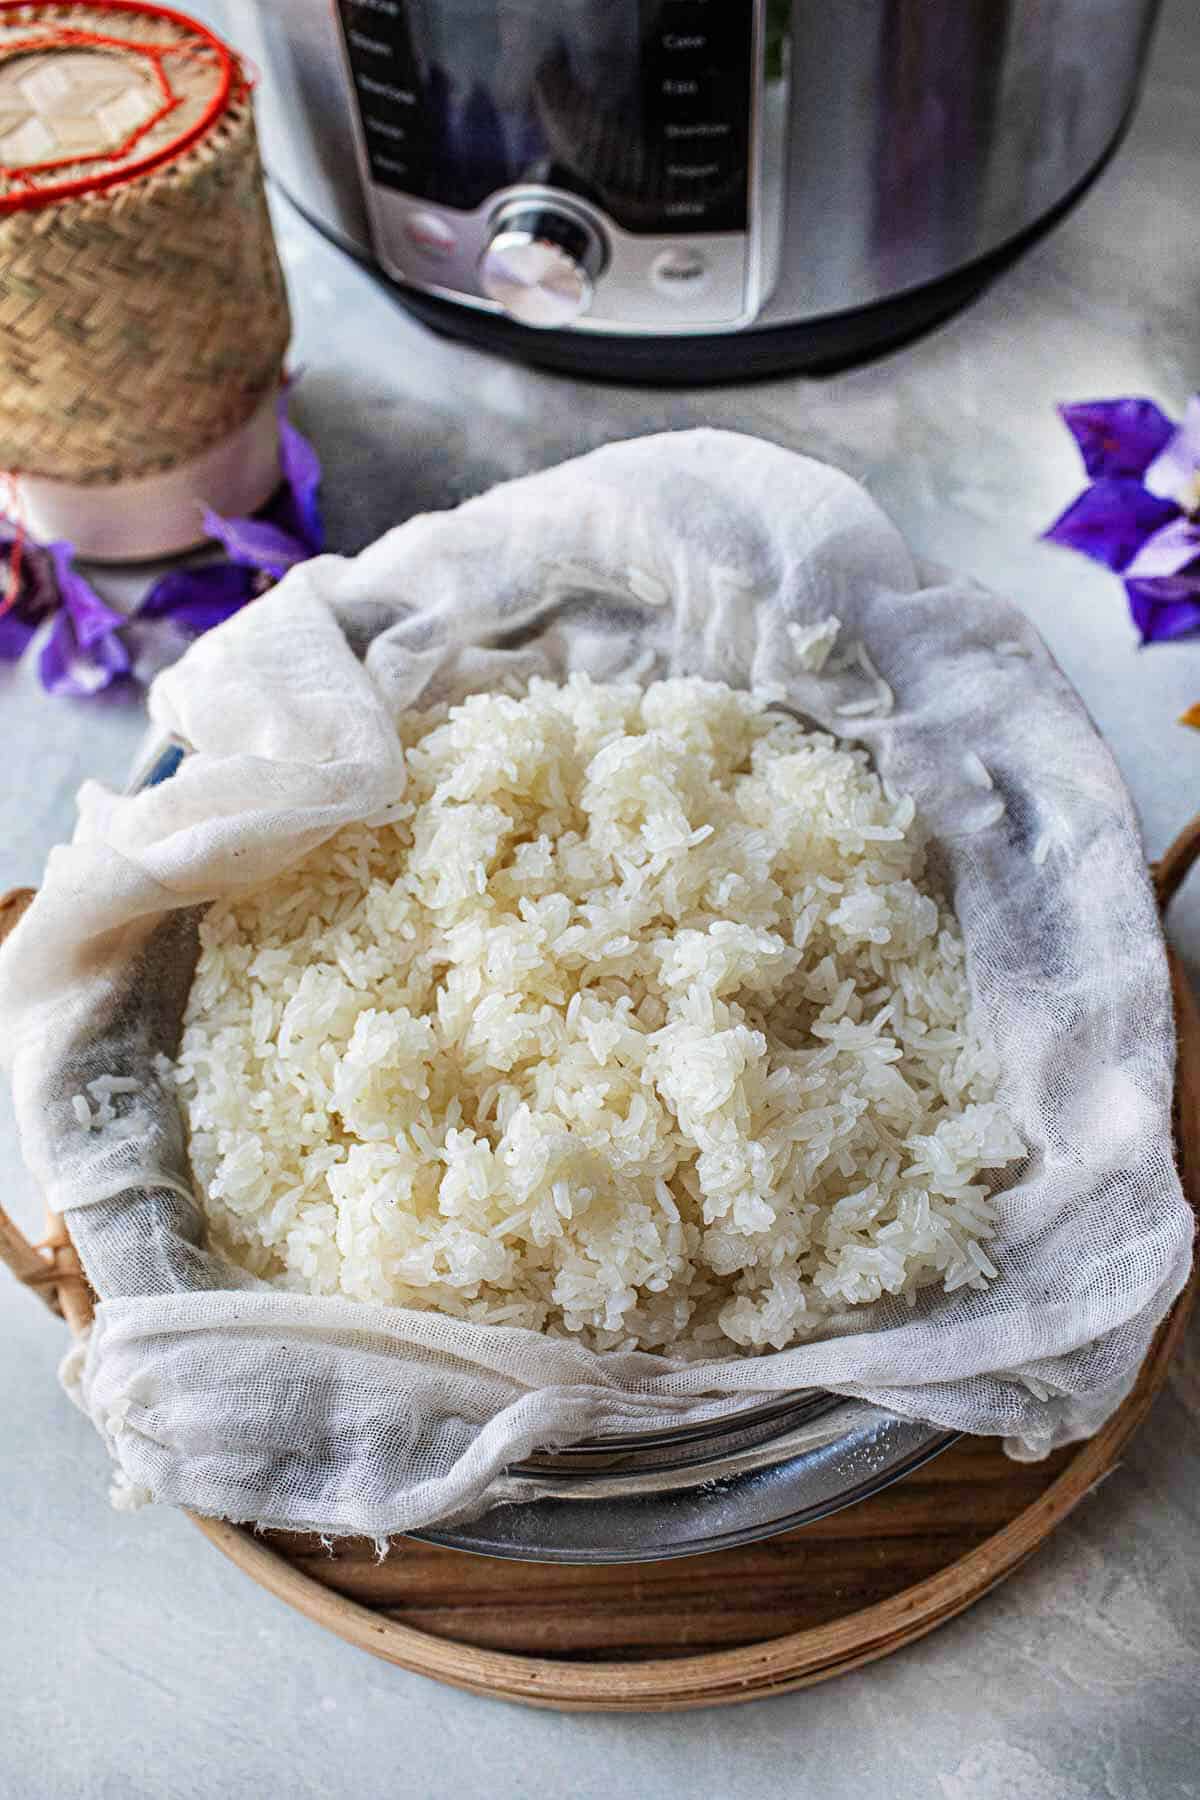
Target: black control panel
[(642, 107)]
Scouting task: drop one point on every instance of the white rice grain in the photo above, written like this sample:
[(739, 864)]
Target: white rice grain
[(985, 816), (648, 588)]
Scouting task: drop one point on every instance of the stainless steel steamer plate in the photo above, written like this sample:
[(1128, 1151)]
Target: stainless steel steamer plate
[(760, 1471), (648, 1496)]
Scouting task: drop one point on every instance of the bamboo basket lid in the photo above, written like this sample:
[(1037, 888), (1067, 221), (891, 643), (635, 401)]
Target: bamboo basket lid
[(710, 1630), (143, 316)]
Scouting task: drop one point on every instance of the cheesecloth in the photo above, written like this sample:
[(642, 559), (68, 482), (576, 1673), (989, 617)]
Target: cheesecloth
[(686, 554)]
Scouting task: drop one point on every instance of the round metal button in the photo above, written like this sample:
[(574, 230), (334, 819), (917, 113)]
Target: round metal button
[(540, 266), (680, 272), (429, 233)]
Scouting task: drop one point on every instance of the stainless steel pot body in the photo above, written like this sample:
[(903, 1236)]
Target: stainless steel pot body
[(849, 154)]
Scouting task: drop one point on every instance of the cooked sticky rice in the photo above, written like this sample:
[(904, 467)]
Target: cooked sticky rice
[(637, 1019)]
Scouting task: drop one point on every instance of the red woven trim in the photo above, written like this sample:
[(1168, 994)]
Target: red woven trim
[(231, 85)]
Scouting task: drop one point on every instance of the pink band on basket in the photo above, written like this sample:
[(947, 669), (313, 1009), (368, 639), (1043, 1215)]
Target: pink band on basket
[(162, 514)]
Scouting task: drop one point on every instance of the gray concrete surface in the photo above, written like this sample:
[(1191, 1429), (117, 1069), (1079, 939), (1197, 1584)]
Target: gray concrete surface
[(136, 1663)]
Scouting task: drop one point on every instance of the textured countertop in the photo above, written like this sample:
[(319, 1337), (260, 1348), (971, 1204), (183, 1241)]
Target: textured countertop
[(135, 1661)]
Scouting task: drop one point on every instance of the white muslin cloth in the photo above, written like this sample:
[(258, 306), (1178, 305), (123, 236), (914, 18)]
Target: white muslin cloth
[(684, 554)]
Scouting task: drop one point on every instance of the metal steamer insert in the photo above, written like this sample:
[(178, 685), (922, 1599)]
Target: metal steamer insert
[(604, 173)]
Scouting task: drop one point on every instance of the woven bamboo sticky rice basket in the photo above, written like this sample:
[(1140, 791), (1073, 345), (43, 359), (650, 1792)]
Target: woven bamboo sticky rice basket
[(702, 1630), (143, 316)]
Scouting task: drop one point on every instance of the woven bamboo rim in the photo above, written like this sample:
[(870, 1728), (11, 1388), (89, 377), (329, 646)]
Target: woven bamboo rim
[(141, 321), (777, 1664)]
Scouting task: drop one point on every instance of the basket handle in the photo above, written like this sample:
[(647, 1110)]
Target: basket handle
[(51, 1268), (1171, 869)]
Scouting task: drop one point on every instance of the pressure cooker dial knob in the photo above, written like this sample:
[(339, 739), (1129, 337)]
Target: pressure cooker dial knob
[(540, 265)]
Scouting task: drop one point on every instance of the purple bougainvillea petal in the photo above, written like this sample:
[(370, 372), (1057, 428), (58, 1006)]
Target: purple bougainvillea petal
[(69, 666), (1111, 520), (17, 626), (1117, 437), (1166, 609), (199, 597), (92, 619), (36, 596), (295, 507), (257, 543), (1173, 473), (84, 652), (14, 636), (1169, 552)]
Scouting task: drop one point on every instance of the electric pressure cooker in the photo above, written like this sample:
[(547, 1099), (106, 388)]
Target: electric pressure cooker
[(689, 189)]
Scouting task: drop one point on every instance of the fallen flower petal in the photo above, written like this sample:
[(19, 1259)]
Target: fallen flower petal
[(1165, 609), (91, 617), (1117, 437), (1191, 717), (257, 543), (1111, 520), (84, 652), (199, 597), (296, 507)]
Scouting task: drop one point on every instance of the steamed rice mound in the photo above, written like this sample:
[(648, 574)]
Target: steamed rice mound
[(636, 1021)]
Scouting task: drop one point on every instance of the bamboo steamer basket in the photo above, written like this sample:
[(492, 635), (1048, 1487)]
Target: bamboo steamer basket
[(708, 1630), (143, 315)]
